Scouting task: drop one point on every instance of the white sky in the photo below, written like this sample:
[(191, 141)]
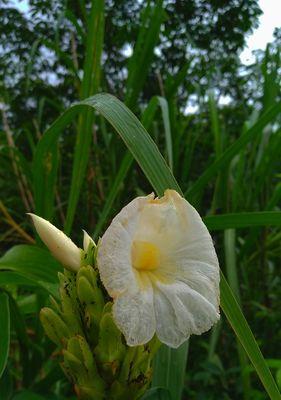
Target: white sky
[(269, 20)]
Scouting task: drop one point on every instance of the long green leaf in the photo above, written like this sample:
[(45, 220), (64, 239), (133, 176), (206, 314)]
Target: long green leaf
[(13, 278), (136, 139), (232, 276), (243, 220), (244, 334), (234, 149), (32, 262), (5, 331), (19, 278)]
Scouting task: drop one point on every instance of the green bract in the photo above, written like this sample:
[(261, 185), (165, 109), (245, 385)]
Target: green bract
[(94, 355)]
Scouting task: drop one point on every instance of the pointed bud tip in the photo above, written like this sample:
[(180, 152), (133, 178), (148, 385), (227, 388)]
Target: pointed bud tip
[(87, 241), (60, 245)]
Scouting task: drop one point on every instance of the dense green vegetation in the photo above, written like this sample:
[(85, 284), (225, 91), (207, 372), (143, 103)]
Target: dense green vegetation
[(160, 58)]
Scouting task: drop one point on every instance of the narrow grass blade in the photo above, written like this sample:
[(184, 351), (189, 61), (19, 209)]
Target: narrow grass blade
[(90, 85), (243, 220), (122, 172), (25, 343), (244, 334), (45, 166), (173, 82), (253, 234), (5, 331), (238, 181), (234, 149), (31, 60), (62, 56), (149, 112), (214, 338), (268, 162), (167, 128), (140, 61), (75, 22), (275, 198), (232, 276), (215, 124), (271, 82), (219, 200), (169, 369)]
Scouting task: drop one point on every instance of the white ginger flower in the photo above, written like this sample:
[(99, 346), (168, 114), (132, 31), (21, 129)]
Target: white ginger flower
[(157, 261)]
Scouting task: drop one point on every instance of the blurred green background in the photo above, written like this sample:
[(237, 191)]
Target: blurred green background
[(216, 121)]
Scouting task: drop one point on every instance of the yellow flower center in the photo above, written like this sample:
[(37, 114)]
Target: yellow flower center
[(145, 255)]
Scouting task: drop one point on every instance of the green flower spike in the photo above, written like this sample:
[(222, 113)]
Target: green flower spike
[(93, 352), (91, 299)]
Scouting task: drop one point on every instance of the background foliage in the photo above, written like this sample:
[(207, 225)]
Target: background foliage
[(176, 65)]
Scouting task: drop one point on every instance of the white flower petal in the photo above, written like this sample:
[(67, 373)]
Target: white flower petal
[(134, 316), (192, 258), (200, 276), (167, 329), (114, 249), (161, 223), (60, 245), (181, 311)]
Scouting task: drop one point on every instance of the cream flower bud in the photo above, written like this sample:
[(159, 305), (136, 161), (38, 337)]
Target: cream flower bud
[(158, 262), (60, 245), (87, 241)]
